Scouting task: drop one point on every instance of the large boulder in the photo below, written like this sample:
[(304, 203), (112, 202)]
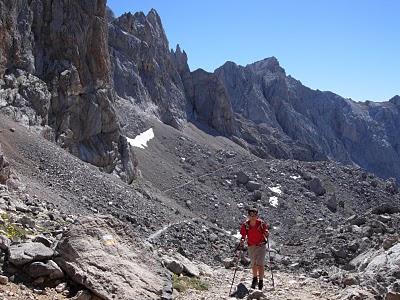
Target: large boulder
[(315, 185), (387, 261), (179, 264), (242, 177), (253, 186), (104, 256), (24, 253), (44, 269), (385, 208)]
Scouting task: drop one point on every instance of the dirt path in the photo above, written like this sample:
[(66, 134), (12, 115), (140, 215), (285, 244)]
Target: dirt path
[(287, 287)]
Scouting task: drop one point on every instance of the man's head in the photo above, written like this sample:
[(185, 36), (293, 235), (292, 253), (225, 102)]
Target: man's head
[(252, 212)]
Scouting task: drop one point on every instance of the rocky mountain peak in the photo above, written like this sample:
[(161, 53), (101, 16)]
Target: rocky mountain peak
[(395, 100), (180, 59), (270, 64), (147, 28)]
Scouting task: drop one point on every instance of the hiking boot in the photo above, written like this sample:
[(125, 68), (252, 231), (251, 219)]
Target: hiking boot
[(254, 282), (260, 285)]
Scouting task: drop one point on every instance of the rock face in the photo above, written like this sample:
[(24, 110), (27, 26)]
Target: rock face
[(143, 69), (156, 79), (55, 69), (282, 118), (100, 255)]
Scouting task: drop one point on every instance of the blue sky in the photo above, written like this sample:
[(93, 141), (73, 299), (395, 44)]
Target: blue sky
[(350, 47)]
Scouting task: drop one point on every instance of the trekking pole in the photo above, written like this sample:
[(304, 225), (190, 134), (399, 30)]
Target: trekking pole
[(270, 264), (236, 267)]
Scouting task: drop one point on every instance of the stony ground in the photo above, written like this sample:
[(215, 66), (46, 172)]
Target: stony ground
[(12, 291), (190, 200), (287, 286)]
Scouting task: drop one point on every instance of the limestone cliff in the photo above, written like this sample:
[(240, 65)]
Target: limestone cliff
[(55, 70)]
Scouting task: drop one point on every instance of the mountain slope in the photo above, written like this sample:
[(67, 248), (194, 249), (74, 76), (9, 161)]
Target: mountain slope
[(55, 70)]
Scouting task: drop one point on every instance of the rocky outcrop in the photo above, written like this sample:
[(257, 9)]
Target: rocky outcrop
[(211, 103), (280, 117), (55, 69), (100, 254), (157, 80), (143, 69)]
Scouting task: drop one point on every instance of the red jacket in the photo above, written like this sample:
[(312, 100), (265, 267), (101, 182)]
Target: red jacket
[(255, 234)]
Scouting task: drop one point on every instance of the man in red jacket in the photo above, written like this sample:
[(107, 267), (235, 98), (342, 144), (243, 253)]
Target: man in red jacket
[(256, 232)]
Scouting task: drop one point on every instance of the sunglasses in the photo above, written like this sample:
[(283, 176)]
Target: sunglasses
[(252, 214)]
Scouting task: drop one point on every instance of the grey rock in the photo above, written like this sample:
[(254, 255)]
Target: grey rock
[(228, 263), (384, 218), (391, 186), (174, 266), (386, 261), (240, 292), (315, 274), (332, 203), (339, 252), (167, 292), (5, 243), (367, 231), (385, 208), (353, 246), (350, 280), (44, 240), (242, 177), (117, 270), (356, 220), (252, 186), (189, 268), (61, 287), (27, 222), (315, 185), (83, 295), (389, 242), (22, 254), (256, 195), (44, 269)]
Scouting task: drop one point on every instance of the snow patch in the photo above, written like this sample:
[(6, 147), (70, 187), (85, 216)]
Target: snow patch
[(276, 189), (141, 140), (273, 201), (295, 177)]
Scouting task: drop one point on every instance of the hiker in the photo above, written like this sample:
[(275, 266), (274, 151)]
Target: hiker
[(256, 232)]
